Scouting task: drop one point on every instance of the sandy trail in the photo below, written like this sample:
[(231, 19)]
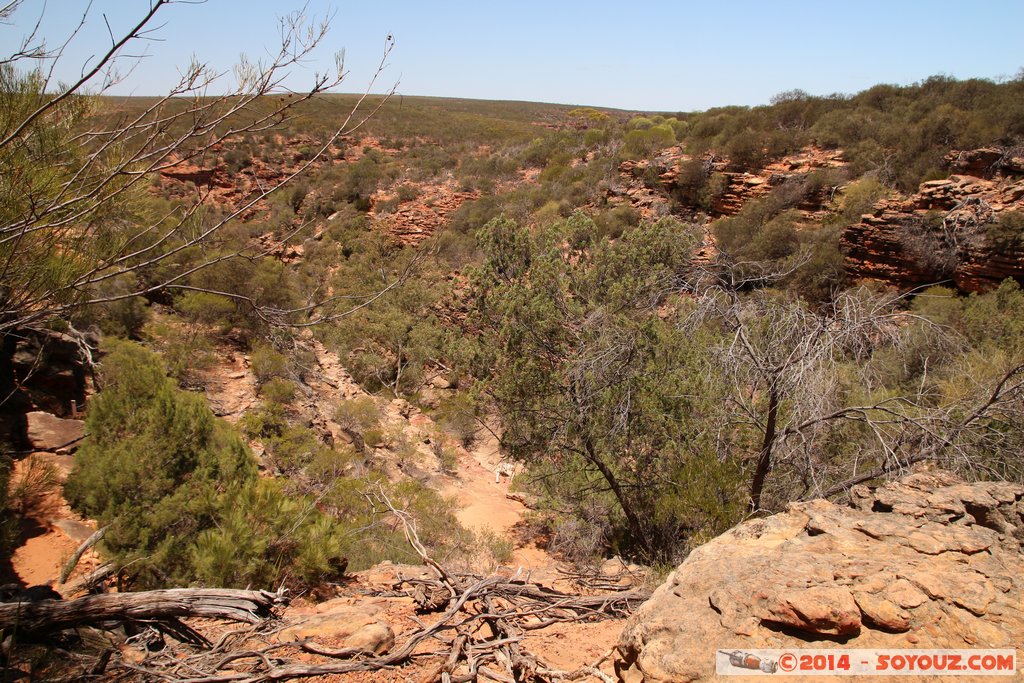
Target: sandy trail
[(50, 532)]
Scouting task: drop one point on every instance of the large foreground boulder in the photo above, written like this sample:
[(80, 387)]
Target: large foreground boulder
[(927, 562)]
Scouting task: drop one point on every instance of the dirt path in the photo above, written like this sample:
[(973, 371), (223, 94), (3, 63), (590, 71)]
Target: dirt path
[(50, 532)]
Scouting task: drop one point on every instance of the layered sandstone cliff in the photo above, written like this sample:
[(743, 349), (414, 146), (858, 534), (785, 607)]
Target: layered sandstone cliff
[(943, 232), (645, 183)]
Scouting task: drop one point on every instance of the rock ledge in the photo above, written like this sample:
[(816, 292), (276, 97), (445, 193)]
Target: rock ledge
[(926, 562)]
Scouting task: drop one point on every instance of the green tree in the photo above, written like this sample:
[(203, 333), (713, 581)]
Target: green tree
[(154, 464), (595, 390), (180, 492)]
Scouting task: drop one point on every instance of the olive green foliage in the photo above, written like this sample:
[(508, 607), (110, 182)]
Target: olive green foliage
[(358, 414), (23, 495), (764, 230), (459, 416), (900, 133), (267, 363), (165, 474), (390, 342), (1007, 231), (185, 349), (43, 190), (249, 287), (594, 388), (264, 534), (120, 318), (639, 143)]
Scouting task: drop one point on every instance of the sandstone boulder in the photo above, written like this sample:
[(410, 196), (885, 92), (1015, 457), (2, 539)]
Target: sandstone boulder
[(48, 432), (341, 624), (927, 562)]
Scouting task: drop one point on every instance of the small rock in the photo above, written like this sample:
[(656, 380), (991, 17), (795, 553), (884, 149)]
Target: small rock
[(882, 613), (346, 626), (828, 610), (906, 594)]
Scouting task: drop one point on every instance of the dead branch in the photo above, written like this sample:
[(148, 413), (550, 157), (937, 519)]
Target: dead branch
[(69, 566), (47, 616), (90, 580), (480, 630)]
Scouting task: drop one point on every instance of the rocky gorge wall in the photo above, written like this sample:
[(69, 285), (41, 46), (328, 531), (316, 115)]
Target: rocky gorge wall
[(941, 232)]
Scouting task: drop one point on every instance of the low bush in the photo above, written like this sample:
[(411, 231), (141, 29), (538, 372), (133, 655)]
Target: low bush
[(180, 492)]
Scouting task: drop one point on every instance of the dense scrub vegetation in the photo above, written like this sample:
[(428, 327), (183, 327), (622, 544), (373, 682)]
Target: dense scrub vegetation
[(656, 401), (656, 396)]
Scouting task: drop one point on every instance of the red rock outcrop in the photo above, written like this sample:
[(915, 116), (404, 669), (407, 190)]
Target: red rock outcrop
[(742, 187), (415, 220), (928, 562), (646, 182), (221, 186), (940, 233)]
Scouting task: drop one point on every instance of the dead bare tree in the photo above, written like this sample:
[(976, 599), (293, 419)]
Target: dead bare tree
[(793, 375)]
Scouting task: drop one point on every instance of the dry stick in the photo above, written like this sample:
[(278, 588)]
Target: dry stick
[(72, 562), (409, 528), (503, 648), (93, 578)]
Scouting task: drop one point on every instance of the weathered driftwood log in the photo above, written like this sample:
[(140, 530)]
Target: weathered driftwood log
[(46, 616)]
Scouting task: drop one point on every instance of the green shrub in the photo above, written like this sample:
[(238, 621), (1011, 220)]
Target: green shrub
[(267, 363), (1007, 231), (278, 390), (180, 492), (358, 414), (614, 223), (374, 437), (641, 143), (266, 420), (206, 308), (267, 538), (447, 456), (857, 199), (293, 448), (458, 416), (124, 317), (407, 193), (152, 466)]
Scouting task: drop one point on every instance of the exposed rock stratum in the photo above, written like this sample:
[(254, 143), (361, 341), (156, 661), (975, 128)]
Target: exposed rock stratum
[(926, 562)]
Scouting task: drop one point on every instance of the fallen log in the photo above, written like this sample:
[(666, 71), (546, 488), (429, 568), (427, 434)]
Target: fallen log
[(48, 616)]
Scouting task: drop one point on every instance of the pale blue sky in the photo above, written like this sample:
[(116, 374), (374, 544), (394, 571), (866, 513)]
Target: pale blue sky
[(666, 56)]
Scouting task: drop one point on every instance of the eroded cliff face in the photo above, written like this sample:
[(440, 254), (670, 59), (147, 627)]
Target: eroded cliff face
[(928, 562), (646, 183), (943, 232)]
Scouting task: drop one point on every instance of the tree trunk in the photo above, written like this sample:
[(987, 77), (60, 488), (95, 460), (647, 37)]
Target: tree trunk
[(635, 527), (46, 616), (764, 458)]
